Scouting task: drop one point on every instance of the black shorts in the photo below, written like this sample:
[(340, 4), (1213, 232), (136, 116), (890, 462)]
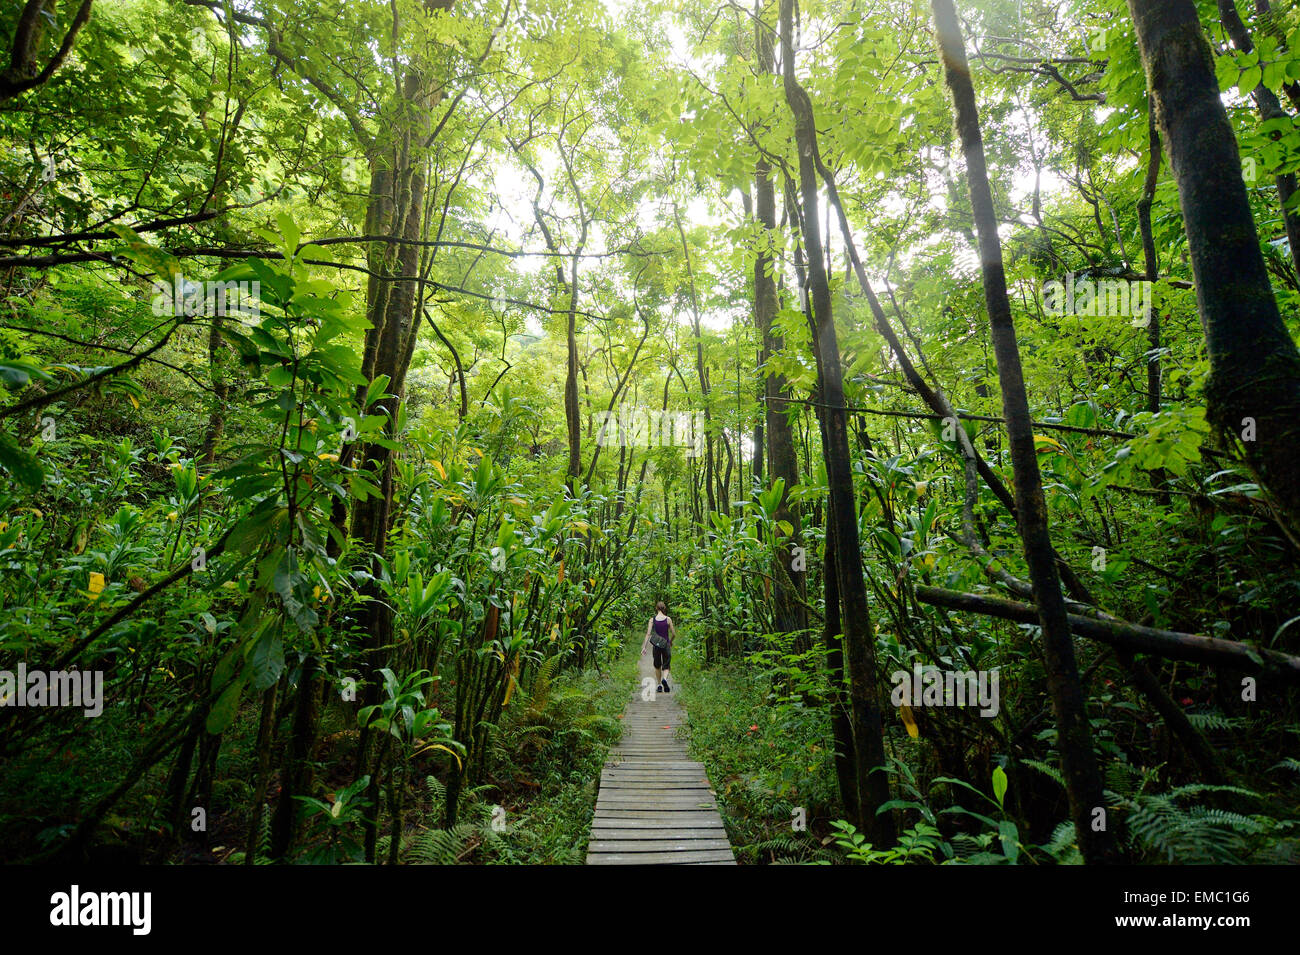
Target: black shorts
[(662, 656)]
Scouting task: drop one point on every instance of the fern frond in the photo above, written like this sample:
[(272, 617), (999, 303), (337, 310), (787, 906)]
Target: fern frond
[(788, 849), (1045, 769), (1215, 721), (440, 846), (1062, 846)]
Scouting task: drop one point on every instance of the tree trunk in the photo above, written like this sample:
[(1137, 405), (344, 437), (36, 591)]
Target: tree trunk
[(296, 773), (1079, 764), (858, 639), (774, 423), (1253, 390), (1269, 107)]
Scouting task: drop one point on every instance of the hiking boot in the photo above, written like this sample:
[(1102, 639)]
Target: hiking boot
[(664, 684)]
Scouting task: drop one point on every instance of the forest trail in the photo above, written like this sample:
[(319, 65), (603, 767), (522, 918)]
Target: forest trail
[(655, 805)]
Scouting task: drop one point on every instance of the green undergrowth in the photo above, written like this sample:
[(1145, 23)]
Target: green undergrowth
[(546, 763), (766, 762)]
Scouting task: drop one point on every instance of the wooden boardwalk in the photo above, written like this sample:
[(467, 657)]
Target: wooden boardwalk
[(655, 805)]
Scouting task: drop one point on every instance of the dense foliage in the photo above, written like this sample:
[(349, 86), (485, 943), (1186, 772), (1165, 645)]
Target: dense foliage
[(368, 370)]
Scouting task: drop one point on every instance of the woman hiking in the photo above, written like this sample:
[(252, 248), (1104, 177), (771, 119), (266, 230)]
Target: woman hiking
[(660, 634)]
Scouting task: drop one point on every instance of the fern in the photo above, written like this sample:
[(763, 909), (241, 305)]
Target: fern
[(1125, 780), (1197, 835), (1063, 846), (1045, 769), (1215, 721), (542, 682), (440, 846), (787, 848), (967, 847), (263, 845)]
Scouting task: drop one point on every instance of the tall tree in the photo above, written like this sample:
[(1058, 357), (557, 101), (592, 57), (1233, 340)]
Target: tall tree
[(1253, 393), (783, 464), (1082, 777), (855, 618)]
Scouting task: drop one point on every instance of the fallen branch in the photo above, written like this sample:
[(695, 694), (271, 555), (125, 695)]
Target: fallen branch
[(1169, 644)]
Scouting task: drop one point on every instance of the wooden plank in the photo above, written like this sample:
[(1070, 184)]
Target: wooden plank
[(706, 820), (665, 818), (693, 794), (657, 845), (664, 799), (632, 772), (660, 858), (719, 862), (666, 834), (656, 802)]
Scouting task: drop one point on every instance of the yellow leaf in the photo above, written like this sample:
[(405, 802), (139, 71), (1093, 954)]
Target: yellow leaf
[(514, 681), (171, 515), (921, 488), (1043, 443), (437, 466), (327, 457), (441, 747), (134, 403), (912, 729), (96, 584), (560, 577)]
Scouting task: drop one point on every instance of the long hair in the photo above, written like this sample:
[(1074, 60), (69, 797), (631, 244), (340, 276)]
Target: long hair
[(661, 608)]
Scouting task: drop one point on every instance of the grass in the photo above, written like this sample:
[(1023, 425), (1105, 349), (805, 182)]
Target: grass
[(767, 757)]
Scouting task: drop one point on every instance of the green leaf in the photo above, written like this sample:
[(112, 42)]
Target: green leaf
[(288, 229), (21, 464), (378, 388), (223, 711), (265, 660), (999, 783), (15, 373), (1009, 836), (1249, 80), (1082, 414)]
